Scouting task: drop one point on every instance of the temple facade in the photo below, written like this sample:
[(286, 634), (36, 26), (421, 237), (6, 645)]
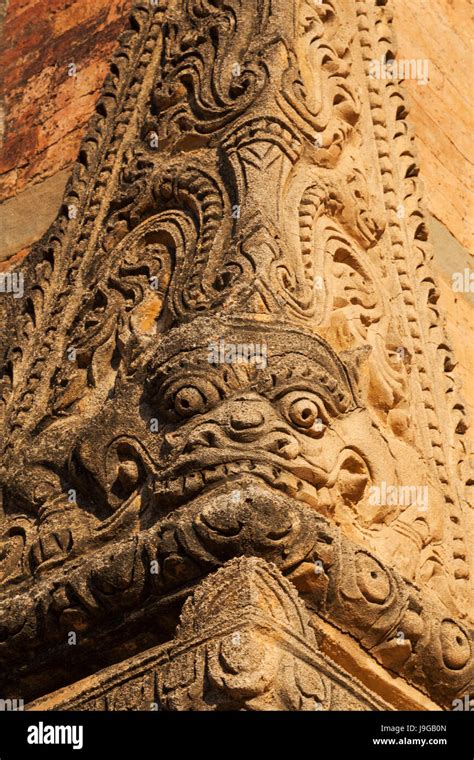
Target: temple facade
[(235, 470)]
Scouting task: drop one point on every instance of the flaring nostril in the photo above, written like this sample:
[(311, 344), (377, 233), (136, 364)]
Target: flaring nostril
[(286, 447)]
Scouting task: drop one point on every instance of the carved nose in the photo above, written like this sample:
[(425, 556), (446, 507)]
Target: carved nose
[(245, 418), (284, 445)]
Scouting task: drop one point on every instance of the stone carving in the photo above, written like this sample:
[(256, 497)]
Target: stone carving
[(246, 646), (404, 627), (238, 312), (244, 642)]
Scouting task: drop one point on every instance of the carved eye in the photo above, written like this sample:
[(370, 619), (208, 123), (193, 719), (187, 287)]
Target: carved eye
[(189, 401), (304, 411), (372, 578), (455, 646), (183, 401)]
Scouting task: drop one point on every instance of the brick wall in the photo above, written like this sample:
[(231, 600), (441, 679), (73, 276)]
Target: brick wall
[(53, 58)]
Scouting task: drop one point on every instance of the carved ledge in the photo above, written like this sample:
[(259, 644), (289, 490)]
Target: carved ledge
[(243, 643), (405, 628)]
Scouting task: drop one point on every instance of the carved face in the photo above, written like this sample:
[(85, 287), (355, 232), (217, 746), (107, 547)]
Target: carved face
[(224, 403), (277, 407)]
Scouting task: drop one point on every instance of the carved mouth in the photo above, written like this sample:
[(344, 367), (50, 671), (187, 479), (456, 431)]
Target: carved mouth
[(179, 489)]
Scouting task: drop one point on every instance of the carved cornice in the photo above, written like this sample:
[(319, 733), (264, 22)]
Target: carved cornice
[(244, 642), (402, 626)]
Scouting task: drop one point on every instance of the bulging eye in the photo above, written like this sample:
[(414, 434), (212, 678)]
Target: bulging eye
[(189, 401), (185, 400), (305, 412)]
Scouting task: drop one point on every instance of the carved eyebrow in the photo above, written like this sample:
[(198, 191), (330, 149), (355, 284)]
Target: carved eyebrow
[(220, 375), (315, 373), (272, 382), (281, 383), (321, 394)]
